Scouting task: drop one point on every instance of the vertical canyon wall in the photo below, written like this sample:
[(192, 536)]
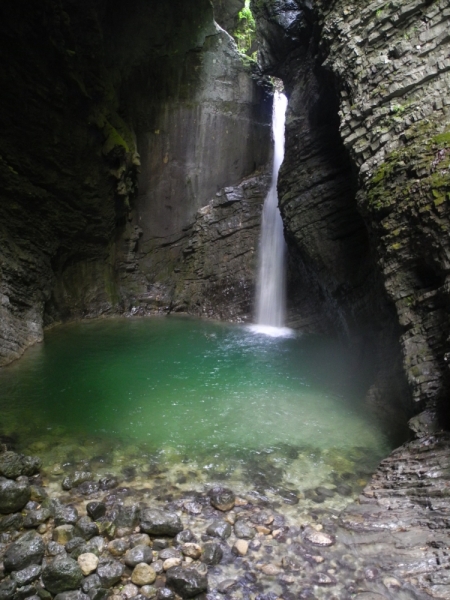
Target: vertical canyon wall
[(85, 90), (365, 184)]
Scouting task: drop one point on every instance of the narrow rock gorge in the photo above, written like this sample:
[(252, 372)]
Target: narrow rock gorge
[(134, 161)]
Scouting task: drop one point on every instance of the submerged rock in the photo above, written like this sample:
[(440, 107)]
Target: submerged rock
[(187, 582), (222, 498)]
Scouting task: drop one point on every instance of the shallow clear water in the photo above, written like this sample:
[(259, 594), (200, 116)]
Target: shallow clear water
[(219, 398)]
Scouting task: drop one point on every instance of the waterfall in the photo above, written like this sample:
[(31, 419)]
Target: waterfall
[(270, 290)]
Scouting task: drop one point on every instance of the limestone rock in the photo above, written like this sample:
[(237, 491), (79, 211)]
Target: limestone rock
[(143, 574), (88, 562)]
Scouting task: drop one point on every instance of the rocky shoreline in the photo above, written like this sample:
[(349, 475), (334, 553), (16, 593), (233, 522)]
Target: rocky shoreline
[(97, 539)]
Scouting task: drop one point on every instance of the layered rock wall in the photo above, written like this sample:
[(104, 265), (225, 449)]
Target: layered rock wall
[(365, 198), (85, 87)]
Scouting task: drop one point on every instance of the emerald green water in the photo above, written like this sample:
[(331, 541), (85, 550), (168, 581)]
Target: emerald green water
[(216, 397)]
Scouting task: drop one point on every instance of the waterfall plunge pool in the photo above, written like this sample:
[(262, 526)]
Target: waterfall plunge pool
[(196, 402)]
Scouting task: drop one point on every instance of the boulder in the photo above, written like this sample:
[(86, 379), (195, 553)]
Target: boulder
[(27, 550), (186, 582), (62, 575), (13, 495)]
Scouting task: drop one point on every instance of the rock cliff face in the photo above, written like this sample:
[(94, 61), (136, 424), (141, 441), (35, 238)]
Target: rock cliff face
[(365, 184), (83, 89)]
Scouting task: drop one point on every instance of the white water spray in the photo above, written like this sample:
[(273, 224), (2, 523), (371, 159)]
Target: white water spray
[(270, 290)]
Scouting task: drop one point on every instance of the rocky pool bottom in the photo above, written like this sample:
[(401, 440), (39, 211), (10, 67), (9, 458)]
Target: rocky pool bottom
[(172, 535)]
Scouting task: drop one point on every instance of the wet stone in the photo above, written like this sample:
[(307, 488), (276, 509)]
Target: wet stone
[(63, 534), (61, 575), (159, 522), (226, 586), (7, 589), (36, 517), (169, 553), (240, 547), (110, 572), (165, 594), (66, 515), (88, 487), (108, 482), (91, 582), (26, 575), (318, 538), (96, 510), (222, 498), (54, 548), (185, 536), (323, 579), (86, 528), (27, 550), (10, 522), (140, 539), (75, 542), (98, 594), (76, 479), (243, 531), (143, 574), (14, 495), (187, 582), (129, 591), (72, 595), (212, 553), (118, 547), (191, 550), (138, 554), (161, 544), (128, 516), (88, 562), (169, 563), (148, 591), (220, 529)]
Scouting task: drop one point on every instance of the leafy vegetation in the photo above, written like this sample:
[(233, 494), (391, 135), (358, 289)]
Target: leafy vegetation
[(245, 31)]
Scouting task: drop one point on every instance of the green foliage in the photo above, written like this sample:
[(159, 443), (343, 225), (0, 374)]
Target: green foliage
[(244, 33)]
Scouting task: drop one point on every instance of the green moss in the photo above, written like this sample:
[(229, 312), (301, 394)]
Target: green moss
[(245, 32)]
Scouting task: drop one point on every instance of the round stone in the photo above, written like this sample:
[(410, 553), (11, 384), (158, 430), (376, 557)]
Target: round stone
[(191, 550), (88, 562), (61, 575), (318, 538), (169, 563), (240, 547), (143, 574)]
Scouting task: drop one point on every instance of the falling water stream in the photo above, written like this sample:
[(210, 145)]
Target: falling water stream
[(270, 299)]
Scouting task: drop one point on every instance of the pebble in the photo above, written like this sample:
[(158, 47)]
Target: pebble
[(88, 562), (240, 547), (143, 574), (169, 563), (129, 591), (270, 570), (191, 550), (318, 538)]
